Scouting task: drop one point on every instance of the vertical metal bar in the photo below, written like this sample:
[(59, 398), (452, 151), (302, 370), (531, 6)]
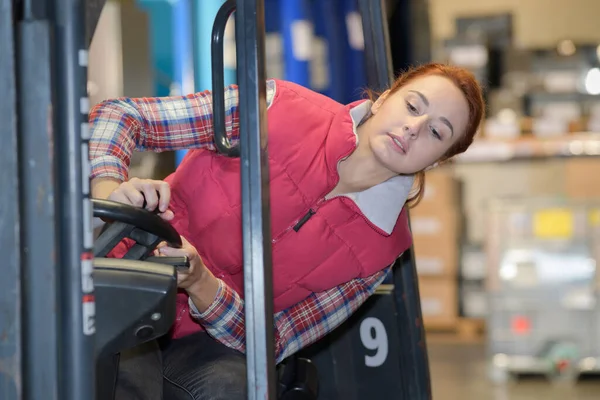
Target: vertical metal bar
[(38, 233), (11, 384), (218, 79), (73, 207), (93, 9), (258, 286), (413, 355), (377, 44), (414, 359)]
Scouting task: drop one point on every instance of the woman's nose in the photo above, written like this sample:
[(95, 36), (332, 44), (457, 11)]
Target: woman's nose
[(413, 127)]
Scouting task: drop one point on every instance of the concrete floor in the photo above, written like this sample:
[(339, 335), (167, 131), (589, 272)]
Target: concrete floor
[(458, 372)]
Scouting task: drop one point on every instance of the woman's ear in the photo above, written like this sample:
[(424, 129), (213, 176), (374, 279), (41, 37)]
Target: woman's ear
[(379, 102)]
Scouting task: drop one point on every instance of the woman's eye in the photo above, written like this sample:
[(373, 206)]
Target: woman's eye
[(436, 134), (411, 108)]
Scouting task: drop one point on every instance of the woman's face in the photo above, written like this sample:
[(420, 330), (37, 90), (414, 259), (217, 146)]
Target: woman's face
[(414, 127)]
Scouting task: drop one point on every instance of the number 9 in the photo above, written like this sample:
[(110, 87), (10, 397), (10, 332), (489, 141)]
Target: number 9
[(378, 341)]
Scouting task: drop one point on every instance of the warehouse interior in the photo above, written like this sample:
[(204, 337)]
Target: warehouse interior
[(507, 236)]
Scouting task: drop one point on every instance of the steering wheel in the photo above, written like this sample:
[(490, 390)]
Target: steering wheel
[(145, 228)]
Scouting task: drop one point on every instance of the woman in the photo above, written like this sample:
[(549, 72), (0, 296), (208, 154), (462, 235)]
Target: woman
[(340, 179)]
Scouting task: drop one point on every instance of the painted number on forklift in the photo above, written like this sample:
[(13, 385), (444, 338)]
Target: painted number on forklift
[(374, 337)]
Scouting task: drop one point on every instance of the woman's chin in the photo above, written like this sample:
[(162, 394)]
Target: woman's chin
[(399, 168), (392, 163)]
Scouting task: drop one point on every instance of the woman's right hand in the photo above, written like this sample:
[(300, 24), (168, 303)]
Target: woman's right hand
[(156, 193)]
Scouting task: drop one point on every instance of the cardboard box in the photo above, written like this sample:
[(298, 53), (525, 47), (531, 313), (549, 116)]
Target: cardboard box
[(439, 302), (442, 190), (436, 238), (433, 258), (483, 182), (581, 178)]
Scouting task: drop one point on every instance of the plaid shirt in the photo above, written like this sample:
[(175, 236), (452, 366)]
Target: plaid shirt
[(120, 126)]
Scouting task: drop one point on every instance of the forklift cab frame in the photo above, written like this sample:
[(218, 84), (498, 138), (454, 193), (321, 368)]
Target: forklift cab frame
[(48, 326)]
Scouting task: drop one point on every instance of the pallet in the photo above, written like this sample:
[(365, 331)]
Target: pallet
[(467, 329)]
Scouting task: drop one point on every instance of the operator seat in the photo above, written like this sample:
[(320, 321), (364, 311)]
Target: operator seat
[(136, 304), (135, 299)]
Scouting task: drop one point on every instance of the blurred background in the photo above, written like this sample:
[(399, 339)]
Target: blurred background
[(507, 237)]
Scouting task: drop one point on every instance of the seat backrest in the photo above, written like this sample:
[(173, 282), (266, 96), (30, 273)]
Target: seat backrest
[(135, 303)]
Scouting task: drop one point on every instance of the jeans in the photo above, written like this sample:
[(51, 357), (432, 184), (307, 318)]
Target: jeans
[(196, 367)]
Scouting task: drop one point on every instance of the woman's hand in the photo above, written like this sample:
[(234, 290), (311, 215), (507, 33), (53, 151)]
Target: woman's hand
[(156, 193), (196, 274), (199, 282)]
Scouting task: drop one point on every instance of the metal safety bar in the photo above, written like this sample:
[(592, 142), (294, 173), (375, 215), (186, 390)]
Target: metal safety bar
[(256, 221), (70, 106), (378, 60), (217, 45), (11, 358), (256, 215), (414, 362), (38, 229), (46, 218)]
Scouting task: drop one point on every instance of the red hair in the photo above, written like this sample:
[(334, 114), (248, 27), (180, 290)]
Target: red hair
[(466, 82)]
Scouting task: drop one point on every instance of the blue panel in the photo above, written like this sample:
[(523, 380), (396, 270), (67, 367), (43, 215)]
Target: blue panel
[(161, 38), (183, 55), (274, 63), (335, 35), (353, 47), (183, 69), (321, 79), (272, 16), (203, 18), (297, 38)]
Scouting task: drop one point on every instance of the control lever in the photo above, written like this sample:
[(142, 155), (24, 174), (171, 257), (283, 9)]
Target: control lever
[(181, 264)]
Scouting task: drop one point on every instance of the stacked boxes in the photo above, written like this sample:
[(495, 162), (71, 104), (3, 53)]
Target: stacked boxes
[(436, 228), (581, 175)]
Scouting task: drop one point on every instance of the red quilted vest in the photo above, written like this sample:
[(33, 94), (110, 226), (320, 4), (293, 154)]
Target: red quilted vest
[(308, 135)]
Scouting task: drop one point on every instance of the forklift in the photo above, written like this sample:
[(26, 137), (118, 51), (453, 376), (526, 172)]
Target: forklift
[(62, 316)]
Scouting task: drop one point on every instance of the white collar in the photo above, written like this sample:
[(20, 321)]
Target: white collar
[(382, 203)]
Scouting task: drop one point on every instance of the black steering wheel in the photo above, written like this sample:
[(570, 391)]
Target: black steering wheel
[(146, 228)]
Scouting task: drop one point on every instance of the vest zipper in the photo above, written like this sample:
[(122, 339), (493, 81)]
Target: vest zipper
[(297, 224), (304, 219)]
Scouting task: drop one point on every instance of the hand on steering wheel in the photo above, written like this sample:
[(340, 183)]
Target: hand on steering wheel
[(197, 272), (153, 192), (150, 194)]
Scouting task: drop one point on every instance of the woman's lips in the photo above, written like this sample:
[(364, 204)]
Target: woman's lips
[(399, 143)]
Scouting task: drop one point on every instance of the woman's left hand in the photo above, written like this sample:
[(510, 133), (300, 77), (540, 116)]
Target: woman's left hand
[(197, 273)]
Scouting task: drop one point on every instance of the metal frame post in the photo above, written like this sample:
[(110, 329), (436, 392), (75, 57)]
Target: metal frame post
[(11, 383), (378, 60), (258, 285), (38, 224), (413, 356), (73, 206)]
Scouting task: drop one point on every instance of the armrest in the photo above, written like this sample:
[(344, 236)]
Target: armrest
[(135, 302)]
